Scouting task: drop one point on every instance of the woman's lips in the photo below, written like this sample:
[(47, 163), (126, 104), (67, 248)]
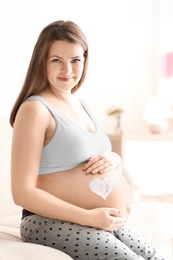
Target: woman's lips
[(65, 79)]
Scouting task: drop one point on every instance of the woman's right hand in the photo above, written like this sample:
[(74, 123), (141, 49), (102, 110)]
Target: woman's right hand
[(108, 219)]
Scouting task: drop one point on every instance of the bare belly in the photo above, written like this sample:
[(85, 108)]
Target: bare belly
[(75, 187)]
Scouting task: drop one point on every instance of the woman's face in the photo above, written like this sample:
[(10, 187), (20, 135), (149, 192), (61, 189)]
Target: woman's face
[(64, 65)]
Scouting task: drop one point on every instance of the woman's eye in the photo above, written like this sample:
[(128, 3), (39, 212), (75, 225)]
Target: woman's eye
[(56, 60), (76, 60)]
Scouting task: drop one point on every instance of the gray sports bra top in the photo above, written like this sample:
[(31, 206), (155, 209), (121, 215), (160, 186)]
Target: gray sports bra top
[(71, 145)]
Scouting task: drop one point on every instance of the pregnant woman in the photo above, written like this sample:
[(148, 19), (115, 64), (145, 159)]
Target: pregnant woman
[(63, 172)]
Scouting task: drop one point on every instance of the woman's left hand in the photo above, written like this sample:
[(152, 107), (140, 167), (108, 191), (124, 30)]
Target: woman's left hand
[(102, 163)]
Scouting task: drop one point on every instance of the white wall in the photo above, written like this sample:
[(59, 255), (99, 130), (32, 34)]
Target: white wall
[(122, 51)]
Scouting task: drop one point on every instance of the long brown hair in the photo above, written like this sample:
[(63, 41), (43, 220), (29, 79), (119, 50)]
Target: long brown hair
[(36, 78)]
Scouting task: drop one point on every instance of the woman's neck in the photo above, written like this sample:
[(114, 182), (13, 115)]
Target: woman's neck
[(60, 95)]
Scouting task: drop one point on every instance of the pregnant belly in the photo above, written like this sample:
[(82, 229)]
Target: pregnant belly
[(89, 191)]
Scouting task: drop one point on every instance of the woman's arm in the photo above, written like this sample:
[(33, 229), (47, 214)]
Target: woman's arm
[(29, 136)]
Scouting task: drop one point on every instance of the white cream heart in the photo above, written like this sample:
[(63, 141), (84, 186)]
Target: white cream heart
[(102, 187)]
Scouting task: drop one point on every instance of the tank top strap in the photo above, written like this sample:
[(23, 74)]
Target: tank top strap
[(45, 102)]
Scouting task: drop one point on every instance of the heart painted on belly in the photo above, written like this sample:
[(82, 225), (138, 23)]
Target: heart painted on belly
[(102, 187)]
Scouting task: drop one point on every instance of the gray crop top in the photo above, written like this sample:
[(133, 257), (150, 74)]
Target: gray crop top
[(71, 145)]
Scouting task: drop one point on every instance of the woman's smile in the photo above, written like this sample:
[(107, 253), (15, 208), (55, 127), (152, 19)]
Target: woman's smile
[(65, 79)]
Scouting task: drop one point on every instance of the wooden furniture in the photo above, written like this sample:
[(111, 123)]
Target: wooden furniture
[(118, 141), (150, 159)]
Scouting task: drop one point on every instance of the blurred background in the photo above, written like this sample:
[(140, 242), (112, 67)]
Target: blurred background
[(131, 52)]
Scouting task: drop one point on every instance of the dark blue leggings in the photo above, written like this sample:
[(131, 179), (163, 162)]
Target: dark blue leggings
[(86, 243)]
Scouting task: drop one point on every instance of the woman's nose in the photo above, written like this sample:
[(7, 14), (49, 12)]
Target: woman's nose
[(66, 68)]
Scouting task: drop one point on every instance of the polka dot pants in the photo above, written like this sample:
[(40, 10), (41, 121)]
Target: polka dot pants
[(86, 243)]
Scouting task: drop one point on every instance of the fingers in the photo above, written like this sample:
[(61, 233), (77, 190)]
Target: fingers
[(102, 163), (94, 164), (109, 219), (97, 164), (114, 212), (96, 168), (94, 159), (116, 221)]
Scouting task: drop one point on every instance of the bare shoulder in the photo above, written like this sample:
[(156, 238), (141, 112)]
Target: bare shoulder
[(33, 110), (33, 115), (34, 123), (34, 106)]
